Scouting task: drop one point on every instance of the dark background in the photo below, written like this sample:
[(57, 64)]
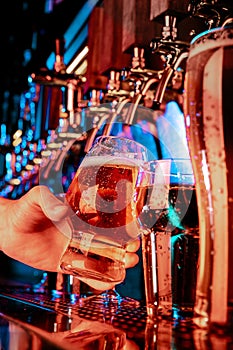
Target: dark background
[(19, 20)]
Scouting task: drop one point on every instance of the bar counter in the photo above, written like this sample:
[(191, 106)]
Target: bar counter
[(36, 321)]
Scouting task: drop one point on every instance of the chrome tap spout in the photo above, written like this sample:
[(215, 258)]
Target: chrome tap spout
[(116, 111), (133, 106), (172, 52), (91, 135), (167, 74), (214, 12)]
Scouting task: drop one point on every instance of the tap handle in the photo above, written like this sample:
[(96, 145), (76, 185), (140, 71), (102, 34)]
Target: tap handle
[(138, 59), (169, 31), (59, 65), (214, 12), (192, 6)]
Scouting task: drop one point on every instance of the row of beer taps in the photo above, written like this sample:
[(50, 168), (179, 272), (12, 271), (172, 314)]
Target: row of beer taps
[(127, 89), (172, 52), (80, 121)]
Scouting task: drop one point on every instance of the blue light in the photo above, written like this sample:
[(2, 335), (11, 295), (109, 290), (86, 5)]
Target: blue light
[(24, 143), (203, 34), (18, 167), (17, 149), (3, 129), (3, 134), (72, 50), (27, 56), (20, 124), (78, 22), (30, 79), (8, 158), (72, 45)]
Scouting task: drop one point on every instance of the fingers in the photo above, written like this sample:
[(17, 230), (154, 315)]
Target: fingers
[(133, 246), (98, 285), (131, 259)]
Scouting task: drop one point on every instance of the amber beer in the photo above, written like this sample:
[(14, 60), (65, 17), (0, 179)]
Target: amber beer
[(104, 198), (209, 124)]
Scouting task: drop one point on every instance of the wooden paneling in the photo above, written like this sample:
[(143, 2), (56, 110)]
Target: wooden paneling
[(116, 27), (159, 7), (95, 43), (138, 29), (113, 57)]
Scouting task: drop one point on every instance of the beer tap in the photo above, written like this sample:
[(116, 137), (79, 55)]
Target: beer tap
[(142, 79), (64, 92), (99, 115), (118, 87), (138, 80), (133, 106), (116, 110), (214, 12), (119, 91), (58, 76), (172, 53), (121, 98), (57, 85), (138, 70)]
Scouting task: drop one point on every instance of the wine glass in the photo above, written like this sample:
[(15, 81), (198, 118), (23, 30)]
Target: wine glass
[(104, 195)]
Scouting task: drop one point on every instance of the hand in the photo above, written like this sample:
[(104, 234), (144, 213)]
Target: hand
[(34, 230)]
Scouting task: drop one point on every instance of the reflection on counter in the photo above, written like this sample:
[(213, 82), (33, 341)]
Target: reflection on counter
[(15, 336), (38, 321)]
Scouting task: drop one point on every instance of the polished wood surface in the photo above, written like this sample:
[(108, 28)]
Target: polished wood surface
[(95, 42), (158, 8), (113, 57), (138, 29)]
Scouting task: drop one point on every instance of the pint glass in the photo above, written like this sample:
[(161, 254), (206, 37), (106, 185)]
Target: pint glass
[(170, 239), (209, 126)]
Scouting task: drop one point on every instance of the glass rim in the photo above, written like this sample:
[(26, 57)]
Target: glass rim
[(172, 160), (118, 138), (211, 38), (115, 137), (174, 168)]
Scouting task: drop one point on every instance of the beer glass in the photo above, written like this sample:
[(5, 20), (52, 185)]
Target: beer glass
[(209, 125), (106, 202), (170, 239)]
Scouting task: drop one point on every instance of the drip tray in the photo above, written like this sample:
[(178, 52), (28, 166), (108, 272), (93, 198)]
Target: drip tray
[(58, 322)]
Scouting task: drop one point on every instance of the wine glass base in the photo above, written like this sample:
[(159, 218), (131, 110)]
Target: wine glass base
[(109, 298)]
